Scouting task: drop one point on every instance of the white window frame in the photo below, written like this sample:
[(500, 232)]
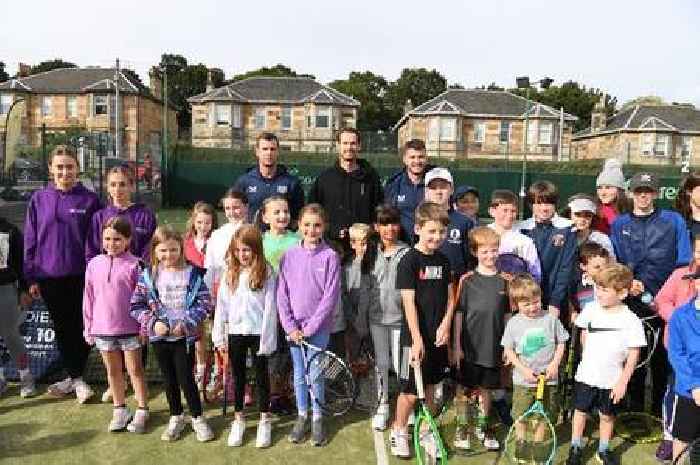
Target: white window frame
[(545, 131), (46, 106), (71, 106), (479, 132), (6, 101), (222, 112), (323, 112), (260, 118), (504, 124), (646, 144), (664, 140), (286, 116), (236, 116), (100, 101), (686, 147), (434, 129), (531, 132)]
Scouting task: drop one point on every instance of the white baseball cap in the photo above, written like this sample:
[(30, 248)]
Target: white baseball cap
[(582, 205), (438, 173)]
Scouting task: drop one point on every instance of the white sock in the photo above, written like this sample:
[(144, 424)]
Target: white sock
[(25, 374)]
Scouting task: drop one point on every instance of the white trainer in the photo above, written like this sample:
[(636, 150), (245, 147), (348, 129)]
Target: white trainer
[(138, 423), (174, 429), (398, 444), (202, 429), (27, 387), (264, 435), (235, 437), (61, 388), (82, 390), (120, 419), (381, 417)]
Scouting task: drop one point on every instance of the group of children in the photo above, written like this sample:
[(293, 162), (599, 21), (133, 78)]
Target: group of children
[(445, 301)]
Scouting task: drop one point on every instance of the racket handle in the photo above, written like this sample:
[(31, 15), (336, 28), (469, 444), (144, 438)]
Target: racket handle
[(418, 375), (541, 381)]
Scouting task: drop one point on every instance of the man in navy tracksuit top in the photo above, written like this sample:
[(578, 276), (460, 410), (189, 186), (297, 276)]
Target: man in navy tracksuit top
[(405, 189), (438, 189), (556, 246), (269, 178), (652, 243)]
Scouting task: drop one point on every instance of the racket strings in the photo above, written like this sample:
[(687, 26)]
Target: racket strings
[(531, 439)]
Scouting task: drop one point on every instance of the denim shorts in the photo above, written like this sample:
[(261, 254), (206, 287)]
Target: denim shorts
[(113, 343)]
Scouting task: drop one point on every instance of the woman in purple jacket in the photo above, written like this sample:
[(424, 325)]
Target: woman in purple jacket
[(55, 230)]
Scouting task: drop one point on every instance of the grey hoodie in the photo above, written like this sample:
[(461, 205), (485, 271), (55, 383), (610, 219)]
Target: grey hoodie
[(358, 296), (387, 308)]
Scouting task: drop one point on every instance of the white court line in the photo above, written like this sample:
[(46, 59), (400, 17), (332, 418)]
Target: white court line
[(380, 448)]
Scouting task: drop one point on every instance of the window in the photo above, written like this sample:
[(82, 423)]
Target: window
[(479, 131), (101, 104), (647, 143), (236, 116), (223, 114), (5, 103), (504, 133), (545, 133), (531, 132), (448, 129), (661, 145), (323, 117), (287, 118), (72, 107), (686, 147), (46, 106), (260, 118), (434, 129)]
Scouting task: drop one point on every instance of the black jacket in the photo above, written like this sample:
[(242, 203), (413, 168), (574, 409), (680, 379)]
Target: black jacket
[(11, 255), (346, 197)]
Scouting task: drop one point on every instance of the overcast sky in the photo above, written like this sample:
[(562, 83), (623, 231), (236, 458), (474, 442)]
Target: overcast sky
[(628, 48)]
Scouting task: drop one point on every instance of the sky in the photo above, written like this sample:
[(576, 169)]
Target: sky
[(626, 48)]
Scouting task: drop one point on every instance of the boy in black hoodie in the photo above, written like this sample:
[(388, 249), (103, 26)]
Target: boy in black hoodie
[(13, 291)]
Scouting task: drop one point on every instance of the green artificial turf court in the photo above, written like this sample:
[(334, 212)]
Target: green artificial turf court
[(46, 431)]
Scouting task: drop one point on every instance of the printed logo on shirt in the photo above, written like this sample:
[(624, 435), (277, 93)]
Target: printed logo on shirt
[(532, 342), (281, 189), (592, 329), (558, 240), (81, 211), (430, 273), (454, 236), (4, 250), (401, 198), (252, 189), (626, 232)]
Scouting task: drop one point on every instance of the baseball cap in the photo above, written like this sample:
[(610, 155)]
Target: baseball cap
[(438, 173), (644, 180), (511, 263), (463, 190), (582, 205)]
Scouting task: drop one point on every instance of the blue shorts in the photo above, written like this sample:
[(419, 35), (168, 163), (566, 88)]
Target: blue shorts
[(114, 343)]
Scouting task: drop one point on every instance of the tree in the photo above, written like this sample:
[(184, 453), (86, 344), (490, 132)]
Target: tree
[(369, 89), (649, 100), (184, 81), (575, 98), (3, 74), (416, 84), (49, 65), (278, 70)]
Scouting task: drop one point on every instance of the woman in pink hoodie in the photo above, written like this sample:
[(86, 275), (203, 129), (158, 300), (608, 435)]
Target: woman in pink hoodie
[(676, 292), (110, 280)]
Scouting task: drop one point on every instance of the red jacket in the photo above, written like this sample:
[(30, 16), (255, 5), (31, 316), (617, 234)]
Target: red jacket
[(193, 255)]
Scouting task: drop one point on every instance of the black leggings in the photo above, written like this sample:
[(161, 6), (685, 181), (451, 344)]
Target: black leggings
[(176, 361), (660, 369), (64, 300), (238, 346)]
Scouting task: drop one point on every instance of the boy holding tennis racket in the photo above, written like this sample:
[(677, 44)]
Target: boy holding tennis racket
[(684, 355), (426, 291), (534, 343), (611, 336)]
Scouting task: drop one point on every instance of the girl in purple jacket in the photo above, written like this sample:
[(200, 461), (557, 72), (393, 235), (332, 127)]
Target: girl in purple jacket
[(308, 289), (55, 231), (110, 280)]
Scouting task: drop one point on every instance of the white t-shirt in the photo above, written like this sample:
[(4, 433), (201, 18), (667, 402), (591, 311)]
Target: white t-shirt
[(215, 258), (172, 290), (609, 336)]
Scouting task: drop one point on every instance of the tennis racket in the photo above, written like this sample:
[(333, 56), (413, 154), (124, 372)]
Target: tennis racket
[(690, 455), (322, 366), (470, 424), (368, 379), (639, 427), (532, 437), (566, 387), (426, 434), (652, 331), (213, 379)]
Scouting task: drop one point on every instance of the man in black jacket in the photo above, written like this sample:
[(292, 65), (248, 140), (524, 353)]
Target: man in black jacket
[(349, 191)]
